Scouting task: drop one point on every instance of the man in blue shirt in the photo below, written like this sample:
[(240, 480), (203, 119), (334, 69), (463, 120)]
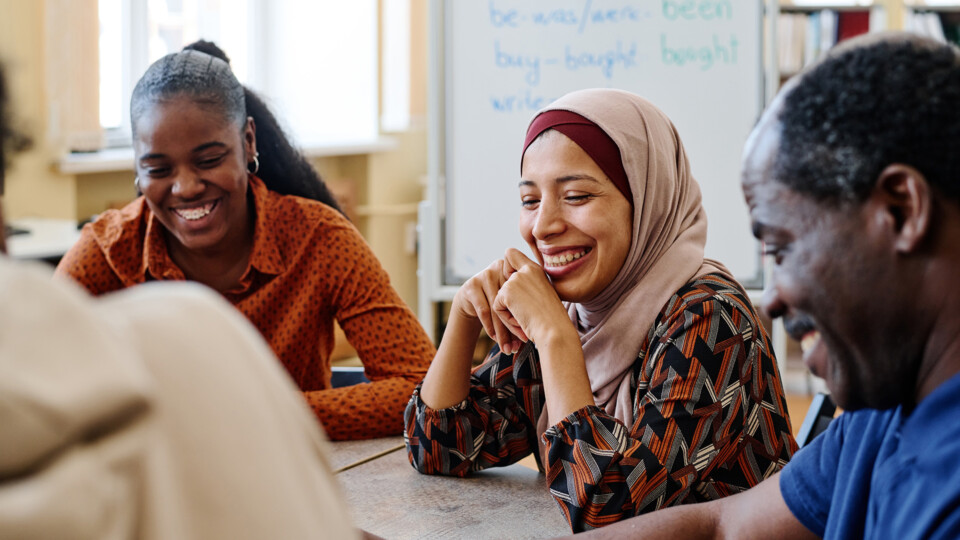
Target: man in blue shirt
[(852, 177)]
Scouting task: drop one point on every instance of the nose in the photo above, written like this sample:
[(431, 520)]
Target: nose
[(773, 305), (188, 185), (549, 220)]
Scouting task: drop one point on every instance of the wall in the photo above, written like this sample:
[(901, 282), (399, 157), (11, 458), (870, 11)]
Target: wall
[(33, 187)]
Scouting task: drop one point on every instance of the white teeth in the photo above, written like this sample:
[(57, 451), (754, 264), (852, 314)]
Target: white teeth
[(193, 214), (810, 341), (560, 260)]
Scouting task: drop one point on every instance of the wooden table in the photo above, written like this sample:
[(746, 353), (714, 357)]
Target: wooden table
[(349, 454), (391, 499)]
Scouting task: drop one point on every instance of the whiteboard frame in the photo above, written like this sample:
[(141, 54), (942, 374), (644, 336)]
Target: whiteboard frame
[(433, 285)]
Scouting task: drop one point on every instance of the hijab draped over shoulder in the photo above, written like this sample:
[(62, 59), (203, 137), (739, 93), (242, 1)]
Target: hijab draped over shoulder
[(669, 232)]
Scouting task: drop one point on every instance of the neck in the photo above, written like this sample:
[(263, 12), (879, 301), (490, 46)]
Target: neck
[(219, 267), (218, 271), (941, 355)]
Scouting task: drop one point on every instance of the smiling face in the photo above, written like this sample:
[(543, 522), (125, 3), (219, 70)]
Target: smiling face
[(833, 283), (573, 217), (192, 169)]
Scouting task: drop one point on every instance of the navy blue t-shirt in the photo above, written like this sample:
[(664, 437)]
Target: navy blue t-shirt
[(879, 474)]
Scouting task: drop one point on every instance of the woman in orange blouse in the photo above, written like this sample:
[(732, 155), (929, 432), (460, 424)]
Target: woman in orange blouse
[(260, 228)]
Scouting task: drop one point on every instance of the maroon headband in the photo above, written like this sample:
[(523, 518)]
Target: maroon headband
[(588, 136)]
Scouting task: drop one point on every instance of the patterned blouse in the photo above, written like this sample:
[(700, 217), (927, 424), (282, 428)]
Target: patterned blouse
[(711, 418)]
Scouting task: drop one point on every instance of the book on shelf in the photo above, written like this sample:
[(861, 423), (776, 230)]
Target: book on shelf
[(806, 36), (852, 23), (826, 34), (791, 28), (925, 23)]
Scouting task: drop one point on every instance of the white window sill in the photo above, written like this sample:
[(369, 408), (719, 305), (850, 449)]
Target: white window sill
[(121, 159)]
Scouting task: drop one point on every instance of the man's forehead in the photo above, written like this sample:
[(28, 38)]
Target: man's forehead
[(759, 156)]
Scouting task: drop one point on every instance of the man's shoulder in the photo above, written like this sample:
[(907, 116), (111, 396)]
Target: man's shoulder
[(852, 439), (863, 427)]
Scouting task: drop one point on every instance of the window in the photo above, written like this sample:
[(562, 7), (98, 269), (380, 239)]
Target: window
[(314, 62), (396, 66)]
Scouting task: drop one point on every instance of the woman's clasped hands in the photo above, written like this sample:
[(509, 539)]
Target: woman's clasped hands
[(514, 301)]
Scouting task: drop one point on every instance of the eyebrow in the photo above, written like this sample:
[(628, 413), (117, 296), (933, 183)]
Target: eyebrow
[(200, 148), (563, 179)]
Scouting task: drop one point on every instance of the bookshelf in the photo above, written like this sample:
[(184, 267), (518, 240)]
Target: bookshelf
[(937, 19), (806, 29)]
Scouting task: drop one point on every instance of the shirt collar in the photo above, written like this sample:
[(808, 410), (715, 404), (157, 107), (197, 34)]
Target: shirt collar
[(156, 260), (266, 256), (931, 416)]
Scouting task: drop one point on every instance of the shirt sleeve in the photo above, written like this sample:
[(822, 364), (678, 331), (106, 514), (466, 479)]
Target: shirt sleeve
[(807, 483), (694, 402), (491, 427), (389, 340), (87, 264)]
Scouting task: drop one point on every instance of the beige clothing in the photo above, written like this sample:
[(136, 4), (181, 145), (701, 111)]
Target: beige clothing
[(156, 412)]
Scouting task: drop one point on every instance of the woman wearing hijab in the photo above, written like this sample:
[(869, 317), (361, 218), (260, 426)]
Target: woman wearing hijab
[(636, 371)]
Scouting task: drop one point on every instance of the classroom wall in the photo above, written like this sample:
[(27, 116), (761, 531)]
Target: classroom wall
[(33, 187)]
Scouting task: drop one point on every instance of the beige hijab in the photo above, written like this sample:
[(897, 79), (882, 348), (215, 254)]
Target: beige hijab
[(669, 232)]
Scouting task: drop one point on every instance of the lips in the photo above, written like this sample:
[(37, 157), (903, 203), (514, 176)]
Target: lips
[(798, 326)]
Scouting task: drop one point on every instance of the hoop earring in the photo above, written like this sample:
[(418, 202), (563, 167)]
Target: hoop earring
[(256, 164), (136, 182)]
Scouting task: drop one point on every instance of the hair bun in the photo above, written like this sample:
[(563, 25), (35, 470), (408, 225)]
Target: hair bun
[(208, 47)]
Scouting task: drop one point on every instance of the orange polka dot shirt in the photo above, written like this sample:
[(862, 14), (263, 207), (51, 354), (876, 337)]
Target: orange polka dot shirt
[(309, 265)]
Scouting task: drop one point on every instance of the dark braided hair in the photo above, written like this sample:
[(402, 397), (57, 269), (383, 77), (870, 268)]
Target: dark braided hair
[(864, 107), (202, 72)]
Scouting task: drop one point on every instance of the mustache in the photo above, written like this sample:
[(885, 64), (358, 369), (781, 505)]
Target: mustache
[(798, 325)]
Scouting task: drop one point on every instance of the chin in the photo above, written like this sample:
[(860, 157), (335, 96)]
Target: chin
[(572, 293), (565, 294), (843, 391), (852, 395), (844, 400), (197, 243)]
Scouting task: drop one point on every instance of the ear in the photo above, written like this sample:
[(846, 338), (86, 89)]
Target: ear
[(250, 138), (903, 199)]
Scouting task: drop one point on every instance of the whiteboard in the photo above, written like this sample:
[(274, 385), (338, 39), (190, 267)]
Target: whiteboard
[(700, 61)]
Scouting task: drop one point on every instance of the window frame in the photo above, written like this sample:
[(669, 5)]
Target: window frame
[(135, 60)]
